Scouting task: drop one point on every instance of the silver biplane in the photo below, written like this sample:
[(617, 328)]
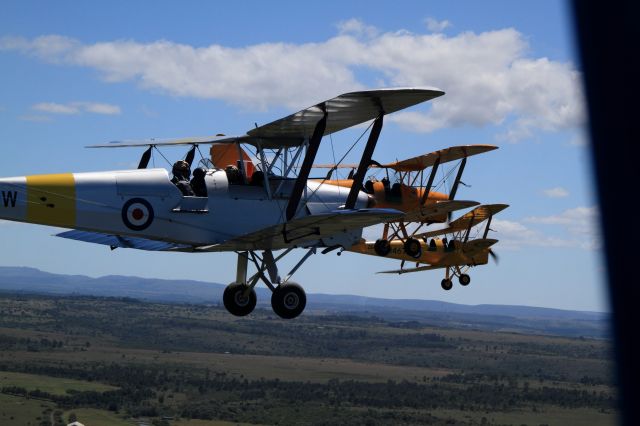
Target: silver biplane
[(232, 203)]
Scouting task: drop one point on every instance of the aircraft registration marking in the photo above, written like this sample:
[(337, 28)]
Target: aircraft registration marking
[(51, 199), (9, 198)]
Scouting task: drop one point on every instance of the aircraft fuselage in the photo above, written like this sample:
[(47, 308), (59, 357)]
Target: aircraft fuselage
[(144, 203)]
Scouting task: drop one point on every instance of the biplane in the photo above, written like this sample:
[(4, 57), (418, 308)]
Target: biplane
[(253, 206), (412, 192), (455, 254)]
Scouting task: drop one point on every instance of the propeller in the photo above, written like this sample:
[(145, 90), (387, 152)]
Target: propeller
[(494, 256)]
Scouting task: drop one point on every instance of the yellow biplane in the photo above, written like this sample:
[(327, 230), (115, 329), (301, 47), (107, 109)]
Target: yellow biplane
[(456, 254), (412, 193)]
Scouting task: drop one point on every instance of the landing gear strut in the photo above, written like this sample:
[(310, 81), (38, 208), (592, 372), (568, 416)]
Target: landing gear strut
[(288, 299)]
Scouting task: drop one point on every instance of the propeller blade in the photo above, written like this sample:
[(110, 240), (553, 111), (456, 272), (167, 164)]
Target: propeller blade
[(494, 256), (190, 155), (146, 156)]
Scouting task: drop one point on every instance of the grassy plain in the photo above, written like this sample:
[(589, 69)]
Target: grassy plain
[(196, 365), (52, 385)]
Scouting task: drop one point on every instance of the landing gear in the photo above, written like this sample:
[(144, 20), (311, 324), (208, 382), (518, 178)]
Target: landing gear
[(239, 299), (413, 248), (288, 300), (382, 247), (464, 279), (446, 284)]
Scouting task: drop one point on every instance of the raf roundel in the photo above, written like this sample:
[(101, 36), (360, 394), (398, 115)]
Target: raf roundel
[(137, 214)]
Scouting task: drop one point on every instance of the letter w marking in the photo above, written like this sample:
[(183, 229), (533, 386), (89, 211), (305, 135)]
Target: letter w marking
[(9, 197)]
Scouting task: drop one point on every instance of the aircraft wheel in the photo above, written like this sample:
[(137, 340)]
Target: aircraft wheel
[(412, 248), (382, 247), (288, 300), (236, 302), (464, 279), (446, 284)]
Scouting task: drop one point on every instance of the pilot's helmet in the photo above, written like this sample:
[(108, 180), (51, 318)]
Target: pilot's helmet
[(181, 168), (199, 172)]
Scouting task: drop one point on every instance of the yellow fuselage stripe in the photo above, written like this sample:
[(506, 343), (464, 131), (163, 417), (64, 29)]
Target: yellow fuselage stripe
[(51, 199)]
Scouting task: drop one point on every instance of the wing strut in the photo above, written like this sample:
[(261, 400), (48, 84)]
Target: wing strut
[(309, 158), (365, 161), (456, 183), (427, 189)]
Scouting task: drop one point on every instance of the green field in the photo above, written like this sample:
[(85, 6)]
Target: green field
[(115, 361), (52, 385), (16, 411)]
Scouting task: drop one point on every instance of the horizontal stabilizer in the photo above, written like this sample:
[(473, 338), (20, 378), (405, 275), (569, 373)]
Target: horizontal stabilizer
[(308, 228), (472, 218), (119, 241)]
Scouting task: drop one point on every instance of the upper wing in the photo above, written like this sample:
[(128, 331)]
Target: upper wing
[(309, 228), (453, 153), (472, 218), (343, 111)]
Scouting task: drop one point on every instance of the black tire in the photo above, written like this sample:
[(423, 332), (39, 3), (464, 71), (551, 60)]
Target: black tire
[(288, 300), (464, 279), (446, 284), (413, 248), (235, 301), (382, 247)]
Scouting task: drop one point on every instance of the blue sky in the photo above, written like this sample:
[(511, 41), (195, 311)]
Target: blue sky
[(75, 74)]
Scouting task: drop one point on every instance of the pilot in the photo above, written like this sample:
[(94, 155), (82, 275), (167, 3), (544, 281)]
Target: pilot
[(368, 186), (181, 172), (257, 179), (197, 183), (233, 174), (386, 184)]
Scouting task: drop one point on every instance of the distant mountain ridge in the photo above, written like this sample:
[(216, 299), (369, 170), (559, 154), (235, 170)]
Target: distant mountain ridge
[(31, 280)]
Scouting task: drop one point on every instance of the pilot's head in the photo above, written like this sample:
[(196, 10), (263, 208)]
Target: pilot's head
[(199, 172), (181, 169)]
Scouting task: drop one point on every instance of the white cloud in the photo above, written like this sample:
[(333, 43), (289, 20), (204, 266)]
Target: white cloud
[(557, 192), (515, 235), (436, 26), (357, 27), (489, 77), (54, 108), (77, 108), (99, 108), (579, 219)]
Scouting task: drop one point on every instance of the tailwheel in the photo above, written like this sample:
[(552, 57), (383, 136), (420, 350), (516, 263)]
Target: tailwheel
[(412, 248), (446, 284), (288, 300), (464, 279), (382, 247), (237, 301)]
